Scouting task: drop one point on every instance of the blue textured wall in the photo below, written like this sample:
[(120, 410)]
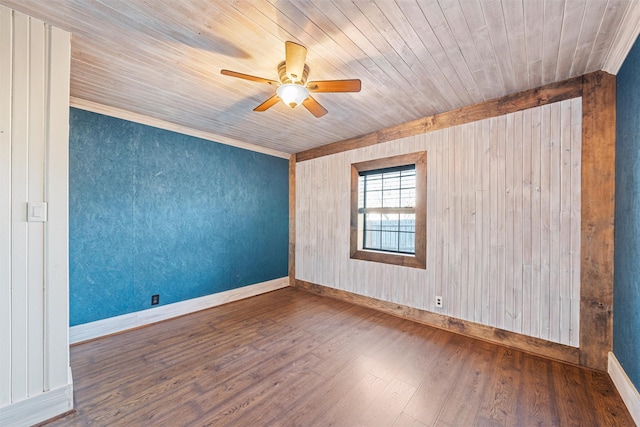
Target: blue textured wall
[(157, 212), (626, 309)]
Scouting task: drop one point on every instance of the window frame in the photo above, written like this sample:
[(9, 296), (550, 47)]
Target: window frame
[(417, 260)]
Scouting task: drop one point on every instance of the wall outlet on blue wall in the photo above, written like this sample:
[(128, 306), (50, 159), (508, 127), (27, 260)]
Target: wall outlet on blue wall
[(155, 299)]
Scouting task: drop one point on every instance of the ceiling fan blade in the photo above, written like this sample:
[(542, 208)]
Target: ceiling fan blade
[(296, 55), (313, 106), (268, 103), (248, 77), (352, 85)]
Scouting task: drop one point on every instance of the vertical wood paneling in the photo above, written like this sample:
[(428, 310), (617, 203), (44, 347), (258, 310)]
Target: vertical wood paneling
[(452, 285), (576, 215), (465, 227), (6, 49), (545, 189), (493, 295), (486, 226), (527, 191), (500, 213), (509, 190), (36, 167), (478, 198), (19, 198), (565, 222), (554, 222), (57, 229), (470, 214), (500, 228), (517, 250), (536, 145), (33, 255)]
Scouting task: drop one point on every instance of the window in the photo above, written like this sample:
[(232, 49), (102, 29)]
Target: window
[(387, 200), (388, 210)]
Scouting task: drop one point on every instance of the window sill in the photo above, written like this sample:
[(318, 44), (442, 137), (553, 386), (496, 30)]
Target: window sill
[(403, 260)]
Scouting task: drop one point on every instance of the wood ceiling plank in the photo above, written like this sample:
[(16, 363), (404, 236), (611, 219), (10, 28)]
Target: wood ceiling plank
[(533, 26), (180, 86), (553, 18), (442, 31), (463, 31), (415, 57), (494, 16), (331, 21), (593, 13), (514, 23), (423, 63), (606, 33), (477, 24), (415, 16), (388, 18), (574, 12), (374, 44)]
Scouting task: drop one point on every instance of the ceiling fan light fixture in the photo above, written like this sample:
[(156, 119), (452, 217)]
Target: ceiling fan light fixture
[(292, 94), (293, 88)]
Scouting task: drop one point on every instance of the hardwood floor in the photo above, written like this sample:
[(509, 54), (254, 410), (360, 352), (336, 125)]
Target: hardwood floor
[(291, 358)]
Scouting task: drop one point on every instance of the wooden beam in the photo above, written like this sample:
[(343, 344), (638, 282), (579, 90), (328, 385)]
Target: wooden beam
[(520, 342), (554, 92), (292, 218), (598, 197)]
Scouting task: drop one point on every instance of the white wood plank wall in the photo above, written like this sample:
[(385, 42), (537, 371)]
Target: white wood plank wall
[(34, 117), (503, 223)]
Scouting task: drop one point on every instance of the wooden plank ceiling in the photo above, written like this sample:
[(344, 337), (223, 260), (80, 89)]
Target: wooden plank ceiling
[(162, 58)]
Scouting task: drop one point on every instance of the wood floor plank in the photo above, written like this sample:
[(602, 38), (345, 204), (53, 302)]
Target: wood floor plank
[(536, 405), (431, 396), (384, 409), (463, 402), (500, 402), (405, 420), (292, 358)]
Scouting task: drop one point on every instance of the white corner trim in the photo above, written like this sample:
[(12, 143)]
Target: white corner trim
[(119, 113), (627, 390), (99, 328), (625, 37), (38, 408)]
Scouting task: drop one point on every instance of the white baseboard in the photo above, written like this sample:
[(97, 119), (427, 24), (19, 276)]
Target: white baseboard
[(627, 390), (38, 408), (121, 323)]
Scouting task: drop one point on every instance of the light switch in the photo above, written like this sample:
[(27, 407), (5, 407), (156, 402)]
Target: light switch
[(37, 212)]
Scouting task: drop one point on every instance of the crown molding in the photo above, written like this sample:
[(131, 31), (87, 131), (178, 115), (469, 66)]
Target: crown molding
[(119, 113)]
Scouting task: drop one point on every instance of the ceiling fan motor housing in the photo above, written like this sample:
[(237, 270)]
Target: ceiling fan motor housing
[(287, 79)]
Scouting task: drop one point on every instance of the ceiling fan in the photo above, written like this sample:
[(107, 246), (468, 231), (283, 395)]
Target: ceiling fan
[(293, 88)]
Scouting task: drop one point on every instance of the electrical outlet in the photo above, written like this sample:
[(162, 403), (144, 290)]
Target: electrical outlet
[(155, 299), (439, 302)]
